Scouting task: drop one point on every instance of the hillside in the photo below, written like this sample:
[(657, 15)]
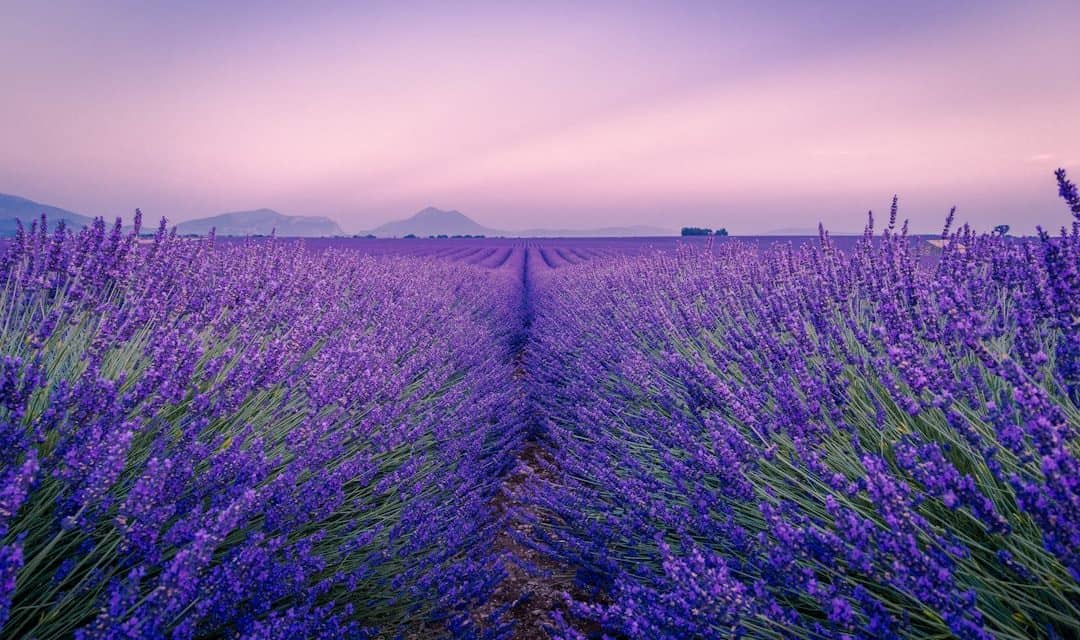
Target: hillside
[(15, 207), (432, 221), (261, 222)]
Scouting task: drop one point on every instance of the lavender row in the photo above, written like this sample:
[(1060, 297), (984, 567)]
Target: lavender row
[(817, 443), (248, 439)]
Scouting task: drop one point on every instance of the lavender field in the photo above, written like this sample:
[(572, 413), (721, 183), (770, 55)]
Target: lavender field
[(865, 437)]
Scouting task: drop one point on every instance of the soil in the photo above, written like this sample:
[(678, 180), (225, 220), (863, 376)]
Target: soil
[(535, 584)]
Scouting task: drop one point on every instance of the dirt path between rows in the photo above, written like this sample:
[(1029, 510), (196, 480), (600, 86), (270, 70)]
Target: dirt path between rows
[(535, 583)]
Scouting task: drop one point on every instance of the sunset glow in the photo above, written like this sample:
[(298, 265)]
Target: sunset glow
[(724, 114)]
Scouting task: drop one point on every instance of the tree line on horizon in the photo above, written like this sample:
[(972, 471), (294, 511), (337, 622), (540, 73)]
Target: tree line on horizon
[(703, 231)]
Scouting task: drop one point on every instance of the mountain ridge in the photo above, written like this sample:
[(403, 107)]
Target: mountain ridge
[(428, 221), (263, 221), (14, 207), (432, 221)]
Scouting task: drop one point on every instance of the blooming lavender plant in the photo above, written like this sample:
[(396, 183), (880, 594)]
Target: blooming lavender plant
[(252, 440), (265, 439), (809, 442)]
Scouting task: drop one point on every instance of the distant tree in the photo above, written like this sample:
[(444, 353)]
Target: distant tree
[(410, 236), (721, 232), (696, 231), (1002, 229)]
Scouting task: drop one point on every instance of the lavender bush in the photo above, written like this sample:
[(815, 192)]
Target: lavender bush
[(807, 442), (269, 439), (249, 440)]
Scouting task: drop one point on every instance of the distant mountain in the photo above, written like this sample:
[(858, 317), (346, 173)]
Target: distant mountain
[(14, 207), (434, 222), (261, 222)]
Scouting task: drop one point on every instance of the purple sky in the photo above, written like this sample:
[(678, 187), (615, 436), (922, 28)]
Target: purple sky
[(747, 115)]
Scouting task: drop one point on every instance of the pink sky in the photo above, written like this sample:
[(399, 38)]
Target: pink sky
[(748, 116)]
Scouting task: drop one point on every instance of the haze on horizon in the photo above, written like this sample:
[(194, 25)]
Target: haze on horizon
[(752, 116)]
